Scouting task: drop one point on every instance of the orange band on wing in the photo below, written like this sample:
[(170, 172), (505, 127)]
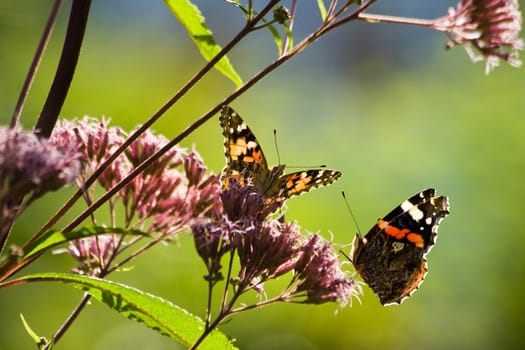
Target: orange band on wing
[(417, 239), (401, 233)]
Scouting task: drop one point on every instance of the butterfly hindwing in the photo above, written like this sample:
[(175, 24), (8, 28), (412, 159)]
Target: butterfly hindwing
[(303, 181)]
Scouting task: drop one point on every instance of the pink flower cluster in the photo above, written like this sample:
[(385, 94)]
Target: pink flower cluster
[(487, 29), (29, 168), (163, 200), (268, 248)]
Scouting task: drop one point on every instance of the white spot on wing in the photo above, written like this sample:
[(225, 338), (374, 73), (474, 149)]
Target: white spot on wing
[(416, 214), (406, 206)]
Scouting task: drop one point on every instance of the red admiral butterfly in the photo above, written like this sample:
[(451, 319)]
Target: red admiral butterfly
[(391, 257), (245, 162)]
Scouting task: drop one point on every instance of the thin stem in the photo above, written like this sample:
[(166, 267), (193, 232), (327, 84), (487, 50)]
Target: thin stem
[(276, 299), (66, 68), (352, 16), (224, 312), (37, 58), (369, 17), (69, 321), (290, 25), (331, 9), (135, 254), (210, 295), (227, 284)]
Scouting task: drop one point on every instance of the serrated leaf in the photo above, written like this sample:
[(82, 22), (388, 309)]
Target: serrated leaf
[(52, 238), (156, 313), (193, 21)]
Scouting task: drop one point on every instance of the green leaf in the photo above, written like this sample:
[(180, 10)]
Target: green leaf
[(322, 9), (289, 36), (155, 312), (52, 238), (39, 341), (277, 38), (193, 21)]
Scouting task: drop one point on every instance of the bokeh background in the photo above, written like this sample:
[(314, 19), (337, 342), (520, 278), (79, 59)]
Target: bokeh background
[(385, 104)]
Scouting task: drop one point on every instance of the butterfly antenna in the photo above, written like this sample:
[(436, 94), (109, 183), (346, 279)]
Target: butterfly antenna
[(290, 166), (351, 212), (276, 146), (344, 254)]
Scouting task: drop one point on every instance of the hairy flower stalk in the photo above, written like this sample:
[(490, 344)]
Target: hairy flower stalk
[(29, 168), (162, 201)]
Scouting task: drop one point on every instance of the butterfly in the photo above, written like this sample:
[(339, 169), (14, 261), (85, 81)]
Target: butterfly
[(391, 257), (247, 165)]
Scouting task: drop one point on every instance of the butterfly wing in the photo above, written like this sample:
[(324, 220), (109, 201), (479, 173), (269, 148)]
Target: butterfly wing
[(244, 156), (416, 220), (391, 257), (300, 182)]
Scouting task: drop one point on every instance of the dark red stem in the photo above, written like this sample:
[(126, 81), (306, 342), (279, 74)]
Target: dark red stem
[(66, 68)]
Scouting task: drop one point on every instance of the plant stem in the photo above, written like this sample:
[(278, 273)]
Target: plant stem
[(369, 17), (69, 321), (37, 58), (224, 312), (66, 68), (332, 24)]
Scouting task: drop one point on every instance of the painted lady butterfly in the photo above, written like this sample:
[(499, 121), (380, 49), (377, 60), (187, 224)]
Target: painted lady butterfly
[(245, 161)]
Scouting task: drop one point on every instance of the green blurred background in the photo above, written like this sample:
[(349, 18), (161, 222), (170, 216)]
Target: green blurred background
[(382, 103)]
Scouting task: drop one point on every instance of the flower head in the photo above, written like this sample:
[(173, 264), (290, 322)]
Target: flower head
[(268, 248), (488, 29), (30, 164), (92, 253), (171, 192), (245, 203), (93, 138), (30, 167), (265, 248), (320, 276)]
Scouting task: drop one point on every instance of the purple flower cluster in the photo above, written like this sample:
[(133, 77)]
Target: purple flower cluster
[(488, 29), (163, 200), (267, 248), (92, 254), (29, 168)]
